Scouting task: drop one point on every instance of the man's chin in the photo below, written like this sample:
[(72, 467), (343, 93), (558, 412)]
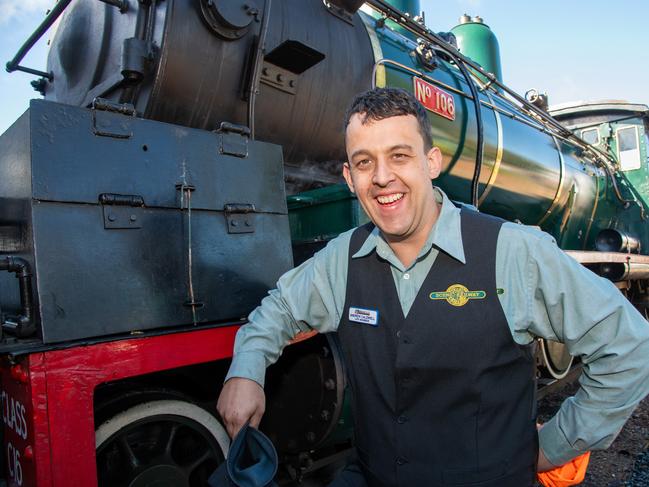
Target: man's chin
[(391, 234)]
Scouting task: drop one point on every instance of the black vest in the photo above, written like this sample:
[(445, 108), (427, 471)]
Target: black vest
[(445, 396)]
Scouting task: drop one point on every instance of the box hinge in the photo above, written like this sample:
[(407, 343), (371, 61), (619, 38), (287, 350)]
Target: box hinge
[(240, 217), (108, 119), (234, 139), (122, 211)]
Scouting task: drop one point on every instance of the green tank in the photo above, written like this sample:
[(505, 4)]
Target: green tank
[(476, 41), (530, 173)]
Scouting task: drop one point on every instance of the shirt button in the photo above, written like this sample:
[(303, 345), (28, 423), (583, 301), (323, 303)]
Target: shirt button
[(398, 333), (401, 419), (401, 461), (406, 276)]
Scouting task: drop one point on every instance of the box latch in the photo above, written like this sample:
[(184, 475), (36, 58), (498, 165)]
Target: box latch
[(122, 211), (240, 218)]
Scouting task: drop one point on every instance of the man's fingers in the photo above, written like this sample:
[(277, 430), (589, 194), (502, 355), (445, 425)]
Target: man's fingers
[(241, 400), (233, 429), (235, 422), (256, 419)]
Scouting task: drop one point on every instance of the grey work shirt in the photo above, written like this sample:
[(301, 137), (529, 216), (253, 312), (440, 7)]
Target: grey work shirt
[(545, 294)]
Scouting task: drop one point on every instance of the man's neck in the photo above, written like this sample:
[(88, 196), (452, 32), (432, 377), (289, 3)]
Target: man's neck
[(408, 250)]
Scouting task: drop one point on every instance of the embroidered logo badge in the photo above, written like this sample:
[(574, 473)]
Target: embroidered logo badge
[(365, 316), (457, 295)]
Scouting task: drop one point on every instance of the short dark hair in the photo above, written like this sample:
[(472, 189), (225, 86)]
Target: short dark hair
[(381, 103)]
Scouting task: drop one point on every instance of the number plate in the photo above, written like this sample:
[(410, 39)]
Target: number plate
[(434, 99)]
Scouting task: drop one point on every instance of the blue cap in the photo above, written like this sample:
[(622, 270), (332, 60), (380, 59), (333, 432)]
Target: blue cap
[(252, 461)]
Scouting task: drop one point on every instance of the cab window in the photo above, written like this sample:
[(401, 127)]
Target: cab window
[(628, 148), (590, 136)]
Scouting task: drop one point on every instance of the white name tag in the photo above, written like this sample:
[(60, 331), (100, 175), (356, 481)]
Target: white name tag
[(365, 316)]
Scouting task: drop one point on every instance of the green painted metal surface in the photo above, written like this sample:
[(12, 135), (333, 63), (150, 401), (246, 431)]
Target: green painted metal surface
[(412, 7), (527, 175), (321, 214), (478, 42)]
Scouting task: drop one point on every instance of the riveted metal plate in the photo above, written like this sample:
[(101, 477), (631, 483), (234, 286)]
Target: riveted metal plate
[(240, 218), (122, 217), (279, 78)]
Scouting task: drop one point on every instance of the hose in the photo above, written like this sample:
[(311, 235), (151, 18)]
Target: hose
[(256, 64)]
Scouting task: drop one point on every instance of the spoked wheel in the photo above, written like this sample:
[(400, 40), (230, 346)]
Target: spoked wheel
[(556, 358), (167, 443)]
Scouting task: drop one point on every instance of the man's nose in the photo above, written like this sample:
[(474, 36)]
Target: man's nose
[(383, 173)]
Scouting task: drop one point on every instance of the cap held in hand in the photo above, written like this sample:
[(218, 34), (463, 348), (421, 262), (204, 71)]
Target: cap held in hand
[(251, 462)]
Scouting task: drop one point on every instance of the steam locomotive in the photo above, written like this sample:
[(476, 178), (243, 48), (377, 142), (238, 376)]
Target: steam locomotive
[(186, 154)]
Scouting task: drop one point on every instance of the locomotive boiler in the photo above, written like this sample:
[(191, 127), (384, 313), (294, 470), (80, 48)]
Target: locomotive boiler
[(143, 212)]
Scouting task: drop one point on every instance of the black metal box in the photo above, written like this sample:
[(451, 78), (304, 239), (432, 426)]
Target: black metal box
[(132, 224)]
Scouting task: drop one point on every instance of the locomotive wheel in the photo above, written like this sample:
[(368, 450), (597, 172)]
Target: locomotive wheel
[(166, 443), (556, 358)]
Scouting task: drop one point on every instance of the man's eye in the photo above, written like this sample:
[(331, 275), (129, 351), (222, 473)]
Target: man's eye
[(363, 163), (399, 155)]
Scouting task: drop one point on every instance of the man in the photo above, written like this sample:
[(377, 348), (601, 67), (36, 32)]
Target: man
[(436, 308)]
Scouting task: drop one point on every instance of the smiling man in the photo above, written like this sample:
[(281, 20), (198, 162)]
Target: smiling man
[(391, 164), (436, 308)]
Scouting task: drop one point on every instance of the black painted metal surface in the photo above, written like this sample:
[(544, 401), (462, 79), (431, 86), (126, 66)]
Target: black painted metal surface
[(195, 74), (106, 222)]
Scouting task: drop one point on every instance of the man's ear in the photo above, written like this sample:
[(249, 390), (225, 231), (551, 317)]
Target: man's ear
[(348, 177), (434, 160)]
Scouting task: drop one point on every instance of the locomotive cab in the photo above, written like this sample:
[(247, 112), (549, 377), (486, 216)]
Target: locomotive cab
[(619, 128)]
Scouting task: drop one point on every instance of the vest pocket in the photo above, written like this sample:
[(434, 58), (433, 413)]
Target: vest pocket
[(473, 476)]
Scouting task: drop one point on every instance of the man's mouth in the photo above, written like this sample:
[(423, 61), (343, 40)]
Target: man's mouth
[(389, 198)]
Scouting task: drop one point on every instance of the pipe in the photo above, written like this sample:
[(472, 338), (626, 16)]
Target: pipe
[(257, 61), (475, 181), (50, 18), (616, 271), (22, 325), (611, 240)]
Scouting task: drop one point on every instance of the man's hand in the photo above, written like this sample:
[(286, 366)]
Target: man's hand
[(543, 464), (241, 400)]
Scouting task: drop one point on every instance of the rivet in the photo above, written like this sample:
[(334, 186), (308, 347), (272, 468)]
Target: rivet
[(111, 217)]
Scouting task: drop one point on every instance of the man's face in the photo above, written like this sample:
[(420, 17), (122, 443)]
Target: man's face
[(390, 172)]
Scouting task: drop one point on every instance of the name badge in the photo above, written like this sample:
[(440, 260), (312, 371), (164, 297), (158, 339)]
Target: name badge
[(365, 316)]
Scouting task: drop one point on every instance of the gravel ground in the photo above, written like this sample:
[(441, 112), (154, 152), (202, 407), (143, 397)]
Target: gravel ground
[(626, 462)]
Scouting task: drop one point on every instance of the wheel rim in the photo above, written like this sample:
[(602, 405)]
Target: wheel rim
[(161, 444)]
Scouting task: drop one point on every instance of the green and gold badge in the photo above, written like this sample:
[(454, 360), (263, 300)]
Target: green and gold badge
[(457, 295)]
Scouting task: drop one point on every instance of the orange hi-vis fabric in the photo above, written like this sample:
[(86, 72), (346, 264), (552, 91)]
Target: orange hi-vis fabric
[(572, 473)]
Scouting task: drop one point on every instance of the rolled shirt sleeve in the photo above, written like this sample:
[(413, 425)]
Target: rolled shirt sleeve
[(310, 296), (563, 301)]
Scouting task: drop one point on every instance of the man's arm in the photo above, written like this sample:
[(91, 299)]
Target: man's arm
[(566, 302), (310, 296)]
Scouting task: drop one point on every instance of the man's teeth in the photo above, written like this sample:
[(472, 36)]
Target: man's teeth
[(384, 200)]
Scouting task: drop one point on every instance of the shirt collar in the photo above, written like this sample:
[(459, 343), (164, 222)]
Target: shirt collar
[(446, 234)]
